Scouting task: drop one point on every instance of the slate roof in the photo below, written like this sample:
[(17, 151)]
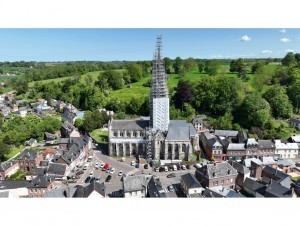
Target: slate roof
[(251, 142), (226, 133), (6, 165), (29, 154), (129, 124), (208, 193), (268, 160), (56, 169), (275, 172), (284, 162), (252, 184), (135, 183), (266, 144), (233, 194), (68, 115), (239, 167), (61, 192), (40, 182), (38, 171), (180, 130), (50, 136), (242, 136), (199, 119), (212, 140), (216, 170), (296, 138), (31, 141), (190, 181), (13, 184), (84, 192), (236, 147), (284, 145), (155, 189), (276, 190), (247, 162)]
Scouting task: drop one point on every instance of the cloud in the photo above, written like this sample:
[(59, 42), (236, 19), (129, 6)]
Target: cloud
[(289, 50), (266, 51), (245, 38), (285, 40), (282, 31)]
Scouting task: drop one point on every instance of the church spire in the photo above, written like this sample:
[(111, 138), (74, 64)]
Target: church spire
[(159, 100)]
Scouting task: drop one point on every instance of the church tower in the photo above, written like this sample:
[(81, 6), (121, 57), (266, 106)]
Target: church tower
[(159, 100)]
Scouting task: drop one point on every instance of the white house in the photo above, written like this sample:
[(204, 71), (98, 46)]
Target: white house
[(190, 185), (286, 150), (22, 111), (135, 186)]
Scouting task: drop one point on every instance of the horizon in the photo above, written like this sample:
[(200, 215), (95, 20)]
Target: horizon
[(130, 44)]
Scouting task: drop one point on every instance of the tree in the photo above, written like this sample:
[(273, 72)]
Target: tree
[(134, 106), (102, 82), (1, 71), (289, 59), (253, 112), (237, 65), (279, 101), (89, 79), (183, 94), (211, 67), (4, 150), (182, 72), (94, 120), (293, 92), (260, 79), (177, 64), (224, 122), (297, 57), (135, 71), (168, 65), (189, 63), (258, 67), (78, 123), (21, 85), (201, 66)]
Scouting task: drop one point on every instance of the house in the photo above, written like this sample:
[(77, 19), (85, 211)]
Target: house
[(212, 146), (295, 138), (74, 133), (295, 123), (242, 137), (235, 151), (93, 190), (14, 188), (49, 136), (230, 135), (201, 125), (67, 128), (38, 171), (29, 159), (78, 115), (49, 153), (60, 105), (268, 161), (277, 175), (223, 192), (286, 150), (5, 110), (32, 142), (68, 115), (15, 108), (254, 188), (135, 186), (190, 185), (243, 172), (251, 146), (212, 175), (61, 192), (39, 185), (155, 189), (8, 168), (276, 190), (22, 111), (63, 143), (286, 166), (42, 107), (266, 148), (56, 170)]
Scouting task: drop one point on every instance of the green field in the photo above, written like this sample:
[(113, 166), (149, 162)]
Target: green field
[(94, 75), (100, 135)]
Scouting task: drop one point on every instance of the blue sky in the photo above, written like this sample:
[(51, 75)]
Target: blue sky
[(138, 44)]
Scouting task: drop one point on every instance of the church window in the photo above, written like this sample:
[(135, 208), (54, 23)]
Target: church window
[(134, 134), (115, 134), (142, 133), (121, 134)]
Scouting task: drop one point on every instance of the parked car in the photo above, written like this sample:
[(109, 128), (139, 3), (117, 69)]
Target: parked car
[(137, 165), (120, 173), (85, 166), (92, 180), (174, 167), (108, 178), (91, 174), (146, 166), (197, 165), (97, 179), (97, 165), (132, 163), (88, 179), (188, 166), (166, 169), (171, 175), (108, 170), (102, 165), (171, 188), (112, 171), (156, 169), (161, 169), (105, 167), (90, 158), (183, 167), (79, 173)]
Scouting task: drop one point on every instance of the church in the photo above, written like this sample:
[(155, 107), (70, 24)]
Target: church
[(157, 137)]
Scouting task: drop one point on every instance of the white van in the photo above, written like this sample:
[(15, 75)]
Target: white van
[(174, 167)]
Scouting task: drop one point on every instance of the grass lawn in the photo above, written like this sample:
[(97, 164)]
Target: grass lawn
[(295, 178), (19, 175), (14, 151), (100, 135)]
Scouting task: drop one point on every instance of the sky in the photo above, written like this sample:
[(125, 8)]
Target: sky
[(101, 44)]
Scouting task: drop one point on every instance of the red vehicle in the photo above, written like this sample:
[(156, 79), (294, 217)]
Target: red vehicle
[(105, 167)]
